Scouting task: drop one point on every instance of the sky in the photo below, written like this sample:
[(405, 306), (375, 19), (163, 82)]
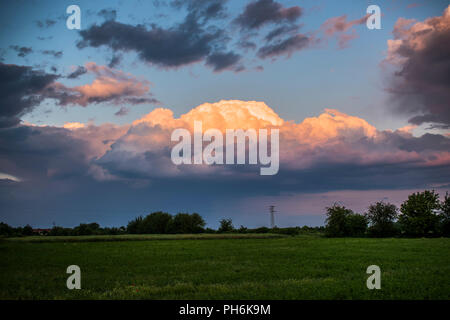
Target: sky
[(86, 115)]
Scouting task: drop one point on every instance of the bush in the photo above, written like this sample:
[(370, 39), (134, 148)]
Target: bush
[(418, 216), (381, 217)]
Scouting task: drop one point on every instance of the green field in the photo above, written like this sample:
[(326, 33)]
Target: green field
[(265, 267)]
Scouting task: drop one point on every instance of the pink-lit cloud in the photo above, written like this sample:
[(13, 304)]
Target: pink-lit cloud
[(110, 85), (342, 29)]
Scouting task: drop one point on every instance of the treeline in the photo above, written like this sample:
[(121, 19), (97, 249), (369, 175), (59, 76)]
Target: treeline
[(84, 229), (421, 215), (154, 223)]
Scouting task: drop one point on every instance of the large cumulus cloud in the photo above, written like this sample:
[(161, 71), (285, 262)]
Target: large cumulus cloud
[(109, 171), (332, 139)]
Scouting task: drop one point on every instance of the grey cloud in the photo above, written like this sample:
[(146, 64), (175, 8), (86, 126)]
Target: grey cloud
[(262, 12)]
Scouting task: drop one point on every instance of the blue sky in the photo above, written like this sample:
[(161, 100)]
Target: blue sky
[(294, 87)]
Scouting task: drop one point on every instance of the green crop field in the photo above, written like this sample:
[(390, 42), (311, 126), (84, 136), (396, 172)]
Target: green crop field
[(224, 267)]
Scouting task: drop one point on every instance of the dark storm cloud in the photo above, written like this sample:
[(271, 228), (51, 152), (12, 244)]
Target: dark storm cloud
[(80, 70), (421, 87), (426, 142), (21, 51), (21, 90), (222, 61), (174, 47), (284, 47), (54, 53), (262, 12), (35, 153)]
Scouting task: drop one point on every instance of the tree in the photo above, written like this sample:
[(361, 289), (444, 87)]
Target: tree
[(60, 231), (6, 230), (418, 216), (336, 221), (156, 222), (342, 222), (135, 226), (381, 217), (226, 225), (187, 223), (87, 229), (445, 216), (355, 225), (27, 230)]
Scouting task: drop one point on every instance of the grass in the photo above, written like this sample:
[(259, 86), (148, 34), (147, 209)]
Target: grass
[(145, 237), (301, 267)]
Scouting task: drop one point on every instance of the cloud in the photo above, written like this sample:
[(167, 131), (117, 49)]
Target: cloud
[(420, 52), (47, 23), (110, 85), (108, 14), (263, 12), (342, 29), (80, 70), (21, 51), (54, 53), (168, 48), (119, 170), (115, 60), (21, 90), (202, 9), (333, 139), (280, 31), (223, 61), (123, 111), (284, 47)]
